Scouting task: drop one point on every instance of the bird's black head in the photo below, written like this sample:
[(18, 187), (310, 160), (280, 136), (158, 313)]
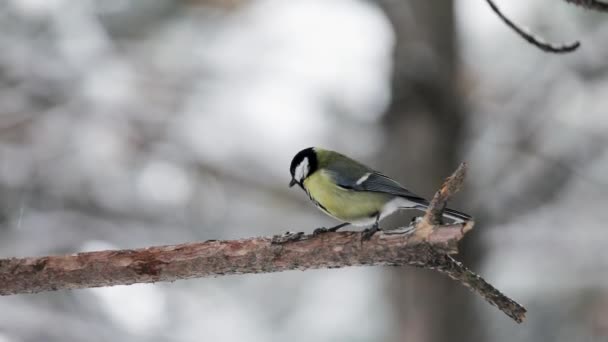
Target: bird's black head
[(303, 164)]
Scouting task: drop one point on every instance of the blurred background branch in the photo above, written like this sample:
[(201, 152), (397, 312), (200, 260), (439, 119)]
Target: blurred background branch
[(531, 38), (126, 124), (590, 4)]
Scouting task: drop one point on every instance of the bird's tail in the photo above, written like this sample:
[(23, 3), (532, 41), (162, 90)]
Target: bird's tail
[(456, 215), (452, 214)]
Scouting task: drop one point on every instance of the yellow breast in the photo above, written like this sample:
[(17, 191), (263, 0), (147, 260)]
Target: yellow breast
[(343, 204)]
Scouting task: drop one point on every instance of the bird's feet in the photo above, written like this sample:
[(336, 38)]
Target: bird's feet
[(369, 232), (320, 231)]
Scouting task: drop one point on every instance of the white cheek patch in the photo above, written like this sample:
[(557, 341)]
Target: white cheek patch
[(302, 170)]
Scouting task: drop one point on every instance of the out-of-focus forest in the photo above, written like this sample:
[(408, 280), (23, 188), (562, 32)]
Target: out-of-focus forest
[(135, 123)]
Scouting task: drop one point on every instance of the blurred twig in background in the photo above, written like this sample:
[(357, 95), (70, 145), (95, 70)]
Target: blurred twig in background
[(590, 4), (531, 38), (539, 42)]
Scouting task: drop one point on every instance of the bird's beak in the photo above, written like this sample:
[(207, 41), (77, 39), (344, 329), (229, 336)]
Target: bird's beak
[(292, 183)]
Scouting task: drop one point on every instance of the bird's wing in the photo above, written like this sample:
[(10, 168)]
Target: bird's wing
[(375, 182), (378, 182)]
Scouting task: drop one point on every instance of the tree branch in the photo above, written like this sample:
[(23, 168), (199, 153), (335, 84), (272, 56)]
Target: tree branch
[(444, 263), (457, 271), (215, 258), (532, 38), (590, 4), (429, 246), (452, 185)]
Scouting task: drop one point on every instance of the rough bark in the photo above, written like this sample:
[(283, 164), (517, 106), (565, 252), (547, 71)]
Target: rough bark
[(426, 244), (450, 186), (215, 258), (255, 255)]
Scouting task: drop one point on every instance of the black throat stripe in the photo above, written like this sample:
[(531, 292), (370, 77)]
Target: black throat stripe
[(316, 203)]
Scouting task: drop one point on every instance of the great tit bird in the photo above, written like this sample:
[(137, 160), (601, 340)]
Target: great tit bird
[(352, 192)]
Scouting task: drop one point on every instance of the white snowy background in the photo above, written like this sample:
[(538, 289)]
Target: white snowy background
[(132, 123)]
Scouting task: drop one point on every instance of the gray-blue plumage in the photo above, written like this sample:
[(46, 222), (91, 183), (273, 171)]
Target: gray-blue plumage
[(350, 174), (317, 170), (362, 178)]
